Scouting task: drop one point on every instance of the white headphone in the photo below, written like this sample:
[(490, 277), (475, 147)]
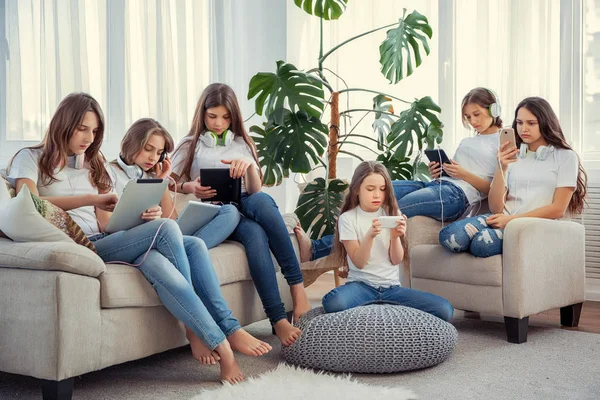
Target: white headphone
[(494, 109), (211, 139), (542, 152), (76, 161), (132, 171)]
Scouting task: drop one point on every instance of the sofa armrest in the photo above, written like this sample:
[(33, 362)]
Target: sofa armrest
[(50, 323), (422, 230), (56, 256), (543, 265)]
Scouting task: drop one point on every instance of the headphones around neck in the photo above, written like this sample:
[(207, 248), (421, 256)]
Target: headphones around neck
[(132, 171), (76, 161), (211, 139), (542, 152), (494, 109)]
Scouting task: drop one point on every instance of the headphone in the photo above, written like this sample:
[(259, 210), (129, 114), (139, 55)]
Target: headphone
[(494, 109), (132, 171), (211, 139), (542, 152), (76, 161)]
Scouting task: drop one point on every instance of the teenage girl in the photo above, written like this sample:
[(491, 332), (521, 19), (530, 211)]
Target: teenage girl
[(373, 253), (540, 178), (143, 154), (218, 138), (445, 198), (68, 169)]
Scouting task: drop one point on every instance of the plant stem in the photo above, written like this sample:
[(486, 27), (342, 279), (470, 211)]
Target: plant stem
[(367, 110), (373, 91), (323, 57), (365, 137)]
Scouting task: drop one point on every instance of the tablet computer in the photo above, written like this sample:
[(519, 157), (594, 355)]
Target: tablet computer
[(439, 156), (138, 196), (195, 215), (229, 190)]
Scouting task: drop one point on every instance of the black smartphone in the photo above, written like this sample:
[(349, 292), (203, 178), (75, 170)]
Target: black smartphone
[(439, 156)]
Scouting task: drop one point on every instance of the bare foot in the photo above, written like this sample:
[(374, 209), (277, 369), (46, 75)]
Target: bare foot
[(199, 350), (301, 303), (247, 344), (230, 370), (304, 243), (286, 332)]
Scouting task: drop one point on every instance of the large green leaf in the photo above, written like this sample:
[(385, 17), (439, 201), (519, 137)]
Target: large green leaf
[(299, 139), (319, 206), (412, 125), (382, 122), (273, 172), (395, 47), (420, 171), (301, 90), (434, 135), (400, 169), (326, 9)]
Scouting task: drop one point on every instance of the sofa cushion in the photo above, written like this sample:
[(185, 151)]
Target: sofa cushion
[(124, 286), (56, 256), (430, 261)]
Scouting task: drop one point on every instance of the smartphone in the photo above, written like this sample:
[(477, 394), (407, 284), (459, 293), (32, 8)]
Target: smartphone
[(508, 135), (439, 156)]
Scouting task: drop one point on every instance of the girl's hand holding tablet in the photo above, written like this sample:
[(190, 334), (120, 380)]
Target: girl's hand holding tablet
[(434, 169), (455, 170), (105, 202), (237, 167), (201, 192), (152, 213)]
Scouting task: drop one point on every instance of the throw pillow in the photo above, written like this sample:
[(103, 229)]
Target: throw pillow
[(27, 218)]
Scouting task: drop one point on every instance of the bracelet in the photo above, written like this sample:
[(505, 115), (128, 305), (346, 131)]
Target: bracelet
[(181, 187)]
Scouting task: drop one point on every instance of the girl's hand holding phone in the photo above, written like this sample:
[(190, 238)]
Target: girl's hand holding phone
[(375, 228), (237, 167), (434, 169), (507, 155), (152, 213), (400, 229), (163, 170)]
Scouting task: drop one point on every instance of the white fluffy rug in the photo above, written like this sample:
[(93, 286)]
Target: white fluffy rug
[(292, 383)]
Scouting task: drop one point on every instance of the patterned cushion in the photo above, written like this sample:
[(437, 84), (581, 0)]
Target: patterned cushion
[(378, 338)]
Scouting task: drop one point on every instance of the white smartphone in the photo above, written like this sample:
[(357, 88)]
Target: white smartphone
[(389, 222)]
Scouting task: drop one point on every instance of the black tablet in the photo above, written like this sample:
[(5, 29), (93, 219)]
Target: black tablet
[(229, 190), (439, 156)]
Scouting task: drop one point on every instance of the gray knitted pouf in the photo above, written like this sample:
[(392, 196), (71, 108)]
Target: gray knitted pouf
[(377, 338)]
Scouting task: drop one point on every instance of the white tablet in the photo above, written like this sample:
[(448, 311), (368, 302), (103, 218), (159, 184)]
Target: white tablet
[(138, 196), (195, 215)]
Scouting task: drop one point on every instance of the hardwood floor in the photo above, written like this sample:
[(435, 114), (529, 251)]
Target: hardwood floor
[(589, 321)]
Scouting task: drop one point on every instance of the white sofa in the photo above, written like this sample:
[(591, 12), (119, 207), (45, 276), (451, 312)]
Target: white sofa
[(64, 313)]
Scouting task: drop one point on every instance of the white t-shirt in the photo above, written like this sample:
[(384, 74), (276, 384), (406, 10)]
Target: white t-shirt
[(478, 155), (532, 182), (379, 271), (70, 182), (119, 177), (210, 157)]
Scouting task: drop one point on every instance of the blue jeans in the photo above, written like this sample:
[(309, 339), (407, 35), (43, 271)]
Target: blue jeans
[(355, 294), (220, 227), (262, 228), (415, 198), (171, 266), (473, 235)]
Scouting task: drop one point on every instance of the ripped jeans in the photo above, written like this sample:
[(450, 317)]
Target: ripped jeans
[(473, 235)]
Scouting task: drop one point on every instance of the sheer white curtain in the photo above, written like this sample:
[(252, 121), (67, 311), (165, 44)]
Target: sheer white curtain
[(509, 46), (357, 62), (137, 58)]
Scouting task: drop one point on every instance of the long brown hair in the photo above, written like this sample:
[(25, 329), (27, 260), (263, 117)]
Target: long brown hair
[(483, 98), (553, 134), (55, 144), (215, 94), (351, 201), (138, 135)]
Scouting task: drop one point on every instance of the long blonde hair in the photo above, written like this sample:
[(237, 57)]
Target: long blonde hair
[(351, 201), (55, 144), (215, 94)]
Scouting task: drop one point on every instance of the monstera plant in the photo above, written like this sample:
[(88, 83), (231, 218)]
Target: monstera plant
[(294, 138)]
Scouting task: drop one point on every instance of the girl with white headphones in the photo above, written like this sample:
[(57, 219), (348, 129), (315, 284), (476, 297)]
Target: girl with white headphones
[(173, 264), (218, 138), (542, 178), (446, 198)]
